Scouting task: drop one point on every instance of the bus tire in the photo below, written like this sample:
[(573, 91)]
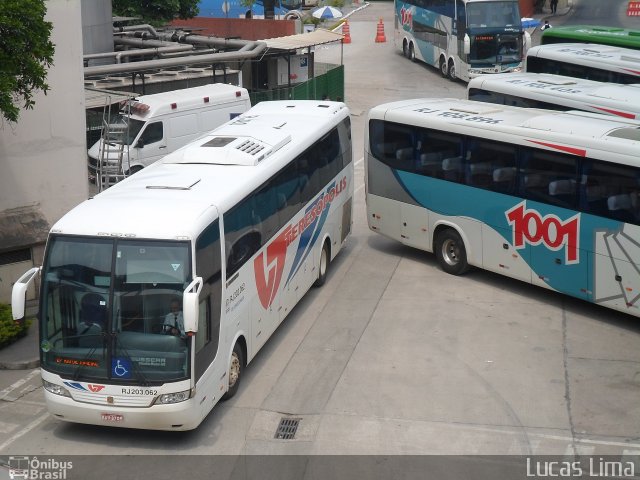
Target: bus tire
[(452, 70), (405, 49), (444, 70), (236, 367), (412, 52), (323, 267), (450, 252)]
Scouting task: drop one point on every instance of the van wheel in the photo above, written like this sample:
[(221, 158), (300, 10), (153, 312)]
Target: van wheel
[(236, 366), (325, 257), (450, 252)]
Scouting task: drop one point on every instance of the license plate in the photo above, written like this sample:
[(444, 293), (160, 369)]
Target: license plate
[(112, 417)]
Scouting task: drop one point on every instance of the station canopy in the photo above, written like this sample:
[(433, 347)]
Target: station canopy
[(303, 40)]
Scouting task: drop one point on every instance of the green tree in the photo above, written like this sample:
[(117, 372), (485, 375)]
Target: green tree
[(156, 12), (25, 54)]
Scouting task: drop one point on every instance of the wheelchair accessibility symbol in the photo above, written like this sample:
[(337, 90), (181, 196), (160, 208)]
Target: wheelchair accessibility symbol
[(121, 367)]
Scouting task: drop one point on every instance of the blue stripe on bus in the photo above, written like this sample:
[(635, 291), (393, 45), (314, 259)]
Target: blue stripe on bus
[(452, 199)]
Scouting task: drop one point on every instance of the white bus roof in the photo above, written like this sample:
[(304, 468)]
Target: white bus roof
[(148, 106), (618, 99), (583, 133), (170, 198), (624, 60)]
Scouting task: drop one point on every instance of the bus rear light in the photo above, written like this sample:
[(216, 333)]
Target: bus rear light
[(238, 93)]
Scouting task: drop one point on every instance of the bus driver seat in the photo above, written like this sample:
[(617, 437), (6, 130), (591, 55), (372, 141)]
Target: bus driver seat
[(93, 314)]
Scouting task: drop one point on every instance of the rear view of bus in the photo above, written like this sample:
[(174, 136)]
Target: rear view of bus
[(549, 198), (157, 293)]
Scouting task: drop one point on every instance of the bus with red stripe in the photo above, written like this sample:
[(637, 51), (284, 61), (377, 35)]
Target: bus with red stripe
[(601, 63), (158, 292), (555, 92), (550, 198)]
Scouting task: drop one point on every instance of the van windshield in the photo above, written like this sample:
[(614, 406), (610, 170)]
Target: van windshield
[(132, 127)]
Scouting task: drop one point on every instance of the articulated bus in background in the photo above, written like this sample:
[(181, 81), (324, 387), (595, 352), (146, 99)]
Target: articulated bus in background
[(235, 228), (555, 92), (550, 198), (601, 63), (462, 38), (617, 37)]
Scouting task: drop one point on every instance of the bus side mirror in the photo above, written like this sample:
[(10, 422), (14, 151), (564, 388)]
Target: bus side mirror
[(467, 44), (19, 293), (191, 305), (527, 42)]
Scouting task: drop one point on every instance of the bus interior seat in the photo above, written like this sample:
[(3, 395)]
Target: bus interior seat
[(430, 164), (480, 174), (504, 174), (619, 202), (452, 168), (533, 180), (561, 187), (404, 158)]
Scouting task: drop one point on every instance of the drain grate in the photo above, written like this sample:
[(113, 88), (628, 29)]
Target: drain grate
[(287, 428)]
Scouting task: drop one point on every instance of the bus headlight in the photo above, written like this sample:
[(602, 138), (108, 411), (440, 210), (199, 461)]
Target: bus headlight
[(55, 389), (177, 397)]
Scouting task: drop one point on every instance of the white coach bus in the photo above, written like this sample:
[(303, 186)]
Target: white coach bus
[(555, 92), (550, 198), (601, 63), (232, 229)]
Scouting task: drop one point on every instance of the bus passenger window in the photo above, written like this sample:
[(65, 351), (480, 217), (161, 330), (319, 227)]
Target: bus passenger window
[(545, 177)]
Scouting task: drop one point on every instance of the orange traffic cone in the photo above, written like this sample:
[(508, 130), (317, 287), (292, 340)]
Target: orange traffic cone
[(380, 34), (346, 32)]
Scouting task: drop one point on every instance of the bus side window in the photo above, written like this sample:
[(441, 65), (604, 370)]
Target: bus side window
[(611, 190), (542, 176)]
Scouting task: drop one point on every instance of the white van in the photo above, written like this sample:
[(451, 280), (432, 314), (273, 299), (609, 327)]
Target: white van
[(153, 126)]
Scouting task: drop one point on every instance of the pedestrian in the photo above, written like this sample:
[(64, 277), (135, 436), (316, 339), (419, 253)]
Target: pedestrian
[(554, 6), (546, 25)]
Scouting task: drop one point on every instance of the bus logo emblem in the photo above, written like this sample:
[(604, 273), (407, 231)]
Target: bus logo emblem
[(529, 227), (269, 273)]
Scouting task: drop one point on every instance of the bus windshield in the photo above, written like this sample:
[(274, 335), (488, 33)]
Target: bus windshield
[(493, 15), (106, 308), (495, 49)]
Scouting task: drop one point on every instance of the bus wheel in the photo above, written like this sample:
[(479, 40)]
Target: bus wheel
[(412, 53), (452, 70), (405, 49), (443, 67), (450, 252), (235, 371), (325, 257)]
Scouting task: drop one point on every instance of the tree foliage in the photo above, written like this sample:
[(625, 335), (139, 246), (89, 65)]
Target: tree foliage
[(25, 54), (156, 12)]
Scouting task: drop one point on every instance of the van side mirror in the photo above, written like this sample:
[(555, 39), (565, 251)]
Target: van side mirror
[(140, 143), (19, 293), (467, 44), (191, 305)]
